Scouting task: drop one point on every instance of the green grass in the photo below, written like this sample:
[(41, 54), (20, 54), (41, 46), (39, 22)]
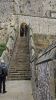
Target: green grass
[(2, 48)]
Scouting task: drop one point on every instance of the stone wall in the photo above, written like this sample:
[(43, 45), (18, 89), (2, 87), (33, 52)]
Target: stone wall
[(25, 10), (6, 10), (35, 7), (3, 32), (39, 25), (7, 53), (27, 7), (6, 26), (42, 71), (42, 41)]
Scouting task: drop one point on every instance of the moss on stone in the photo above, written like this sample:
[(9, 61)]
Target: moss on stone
[(2, 48)]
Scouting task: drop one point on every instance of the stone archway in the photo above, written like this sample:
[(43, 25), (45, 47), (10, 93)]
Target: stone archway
[(23, 29)]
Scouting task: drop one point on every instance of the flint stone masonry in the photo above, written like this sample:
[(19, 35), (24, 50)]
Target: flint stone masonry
[(46, 70), (35, 7), (39, 25), (44, 92), (42, 41), (43, 8), (43, 74), (53, 14), (3, 32), (7, 27), (6, 55), (6, 8), (28, 7), (6, 0), (13, 8)]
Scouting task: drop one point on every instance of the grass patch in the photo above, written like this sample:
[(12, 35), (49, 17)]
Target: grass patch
[(2, 48)]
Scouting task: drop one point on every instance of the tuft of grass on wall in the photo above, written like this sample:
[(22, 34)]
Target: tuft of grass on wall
[(2, 48)]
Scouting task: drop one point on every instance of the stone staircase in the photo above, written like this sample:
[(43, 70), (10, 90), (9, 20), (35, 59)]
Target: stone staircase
[(19, 65)]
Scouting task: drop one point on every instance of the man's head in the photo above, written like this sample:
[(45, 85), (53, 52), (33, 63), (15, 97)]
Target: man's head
[(2, 61)]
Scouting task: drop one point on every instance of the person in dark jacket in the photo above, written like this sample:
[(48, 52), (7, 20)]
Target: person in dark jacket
[(3, 74), (0, 77)]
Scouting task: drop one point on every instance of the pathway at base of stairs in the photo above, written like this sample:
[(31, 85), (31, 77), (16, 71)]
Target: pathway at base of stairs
[(18, 90)]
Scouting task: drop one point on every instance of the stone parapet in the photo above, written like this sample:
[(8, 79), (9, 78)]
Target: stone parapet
[(6, 55)]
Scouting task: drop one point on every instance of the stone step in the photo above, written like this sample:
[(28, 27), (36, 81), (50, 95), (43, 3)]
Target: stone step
[(19, 66), (22, 65), (19, 73), (19, 78), (18, 69), (22, 56)]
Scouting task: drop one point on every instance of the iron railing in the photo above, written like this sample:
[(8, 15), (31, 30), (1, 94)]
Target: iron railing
[(45, 52)]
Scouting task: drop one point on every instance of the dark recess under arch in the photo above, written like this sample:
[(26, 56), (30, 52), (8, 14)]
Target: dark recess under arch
[(23, 29)]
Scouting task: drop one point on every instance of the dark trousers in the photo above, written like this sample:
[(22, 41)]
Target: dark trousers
[(2, 83)]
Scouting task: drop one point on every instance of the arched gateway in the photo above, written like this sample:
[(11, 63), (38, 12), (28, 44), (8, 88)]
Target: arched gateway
[(23, 29)]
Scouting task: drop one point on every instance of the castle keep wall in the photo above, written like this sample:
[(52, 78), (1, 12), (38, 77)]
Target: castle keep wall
[(27, 11), (40, 25), (28, 7), (35, 7)]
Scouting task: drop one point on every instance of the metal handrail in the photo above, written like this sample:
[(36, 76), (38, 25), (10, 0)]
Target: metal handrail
[(44, 61), (47, 50)]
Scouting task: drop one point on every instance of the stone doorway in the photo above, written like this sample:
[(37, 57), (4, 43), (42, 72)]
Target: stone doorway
[(23, 30)]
